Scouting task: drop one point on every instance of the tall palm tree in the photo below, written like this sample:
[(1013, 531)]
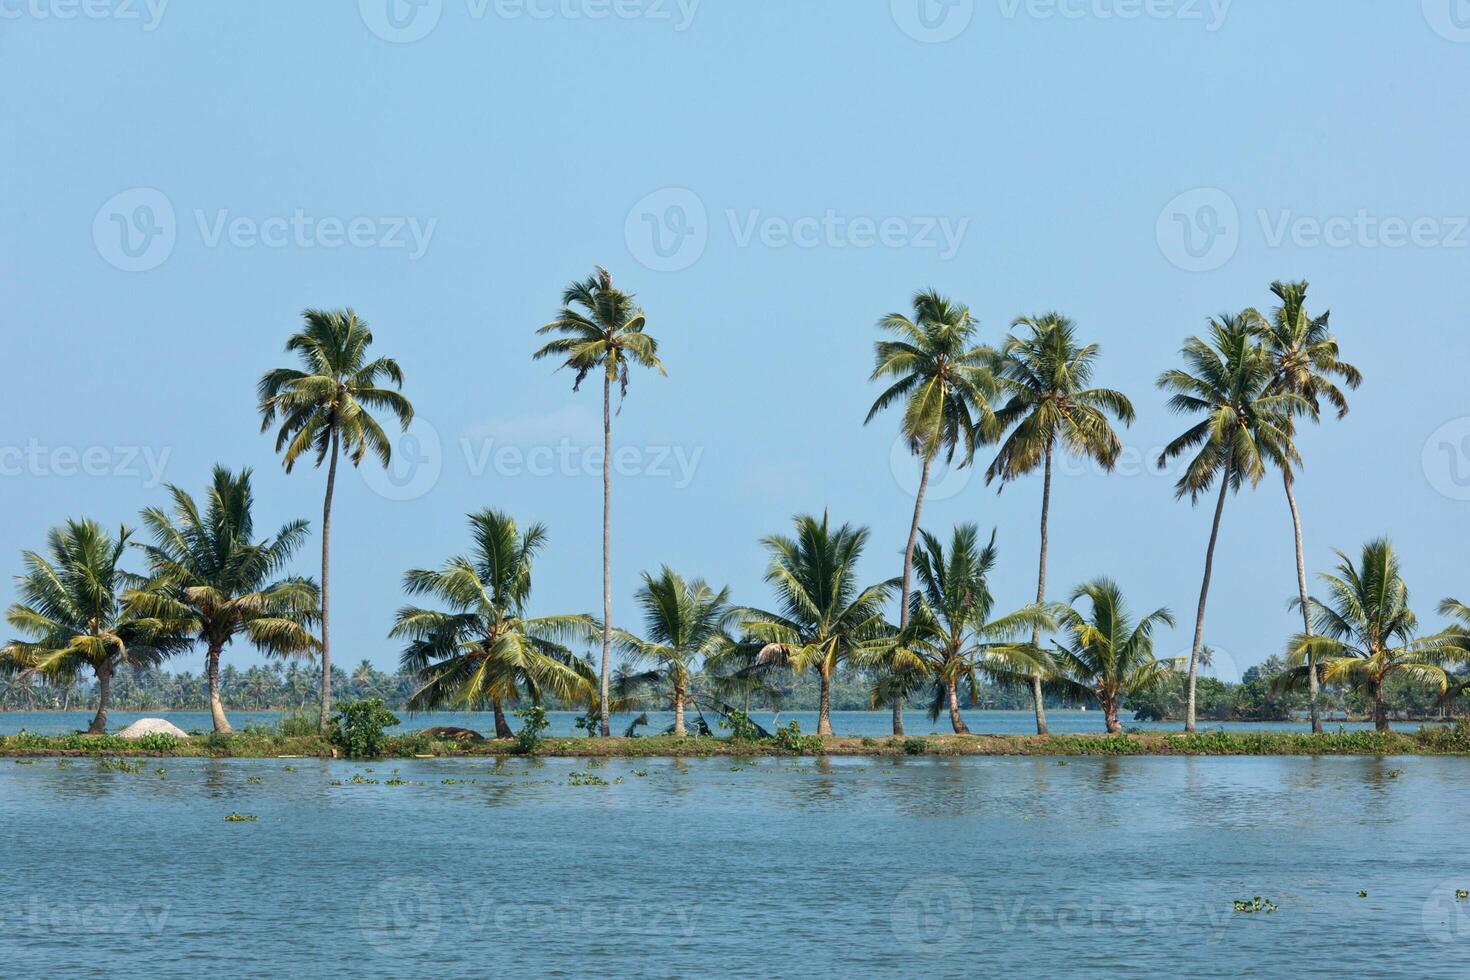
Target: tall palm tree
[(327, 409), (1109, 656), (1365, 632), (823, 617), (1245, 425), (945, 382), (208, 571), (484, 649), (1307, 362), (684, 621), (73, 612), (1457, 641), (1044, 375), (951, 638), (600, 326)]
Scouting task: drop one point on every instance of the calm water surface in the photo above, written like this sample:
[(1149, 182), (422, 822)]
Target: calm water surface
[(1009, 867)]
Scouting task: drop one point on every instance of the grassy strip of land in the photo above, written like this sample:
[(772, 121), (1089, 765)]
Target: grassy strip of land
[(248, 745)]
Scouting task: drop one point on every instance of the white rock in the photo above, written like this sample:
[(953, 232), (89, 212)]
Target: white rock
[(149, 726)]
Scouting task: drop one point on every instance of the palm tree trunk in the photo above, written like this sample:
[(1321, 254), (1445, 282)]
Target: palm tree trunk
[(216, 708), (502, 726), (824, 705), (679, 731), (956, 720), (908, 574), (326, 717), (1204, 595), (1036, 697), (1110, 715), (606, 553), (104, 691), (1301, 582), (1380, 710)]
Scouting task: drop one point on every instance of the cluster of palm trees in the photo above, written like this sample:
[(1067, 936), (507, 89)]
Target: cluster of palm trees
[(1245, 387)]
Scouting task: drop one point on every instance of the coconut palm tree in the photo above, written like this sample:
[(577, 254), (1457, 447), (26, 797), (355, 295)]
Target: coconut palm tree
[(326, 410), (684, 621), (207, 571), (823, 618), (1244, 424), (945, 382), (1307, 362), (74, 616), (601, 327), (1365, 633), (1044, 375), (951, 638), (1457, 640), (1108, 656), (484, 649)]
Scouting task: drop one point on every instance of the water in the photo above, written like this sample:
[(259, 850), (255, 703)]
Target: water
[(853, 723), (952, 867)]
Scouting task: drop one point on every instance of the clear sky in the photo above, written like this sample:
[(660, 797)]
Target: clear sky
[(182, 179)]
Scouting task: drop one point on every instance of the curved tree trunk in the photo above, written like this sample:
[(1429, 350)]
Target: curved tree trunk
[(1110, 715), (1036, 696), (1301, 582), (502, 726), (216, 707), (956, 720), (104, 693), (603, 690), (824, 705), (908, 574), (679, 731), (326, 716), (1204, 595)]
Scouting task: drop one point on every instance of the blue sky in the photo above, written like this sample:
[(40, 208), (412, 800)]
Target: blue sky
[(182, 179)]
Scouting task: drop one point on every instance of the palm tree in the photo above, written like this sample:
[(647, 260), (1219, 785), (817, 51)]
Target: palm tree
[(1044, 375), (1365, 632), (1457, 640), (824, 618), (683, 622), (951, 637), (1306, 360), (207, 571), (327, 409), (1245, 425), (72, 609), (945, 383), (484, 649), (601, 327), (1109, 656)]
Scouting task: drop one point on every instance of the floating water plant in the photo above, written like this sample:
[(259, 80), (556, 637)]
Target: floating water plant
[(240, 818), (1257, 904), (585, 779)]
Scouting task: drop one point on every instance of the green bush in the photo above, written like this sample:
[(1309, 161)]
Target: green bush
[(359, 728), (914, 746), (741, 728), (791, 739), (533, 723), (158, 742), (298, 724)]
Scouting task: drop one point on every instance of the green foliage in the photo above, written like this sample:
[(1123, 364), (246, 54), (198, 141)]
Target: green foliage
[(358, 729), (161, 742), (120, 765), (790, 739), (296, 724), (240, 818), (741, 728), (533, 723), (1257, 904), (914, 746)]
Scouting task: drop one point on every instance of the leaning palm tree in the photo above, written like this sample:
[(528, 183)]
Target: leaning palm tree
[(952, 639), (484, 649), (1365, 633), (1245, 425), (73, 612), (326, 410), (1108, 656), (1045, 375), (684, 621), (207, 570), (1306, 361), (945, 382), (600, 326), (823, 617), (1457, 641)]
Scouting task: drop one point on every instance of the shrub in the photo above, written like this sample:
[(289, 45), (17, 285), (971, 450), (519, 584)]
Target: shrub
[(161, 742), (741, 728), (915, 746), (533, 723), (791, 739), (359, 728), (297, 724)]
